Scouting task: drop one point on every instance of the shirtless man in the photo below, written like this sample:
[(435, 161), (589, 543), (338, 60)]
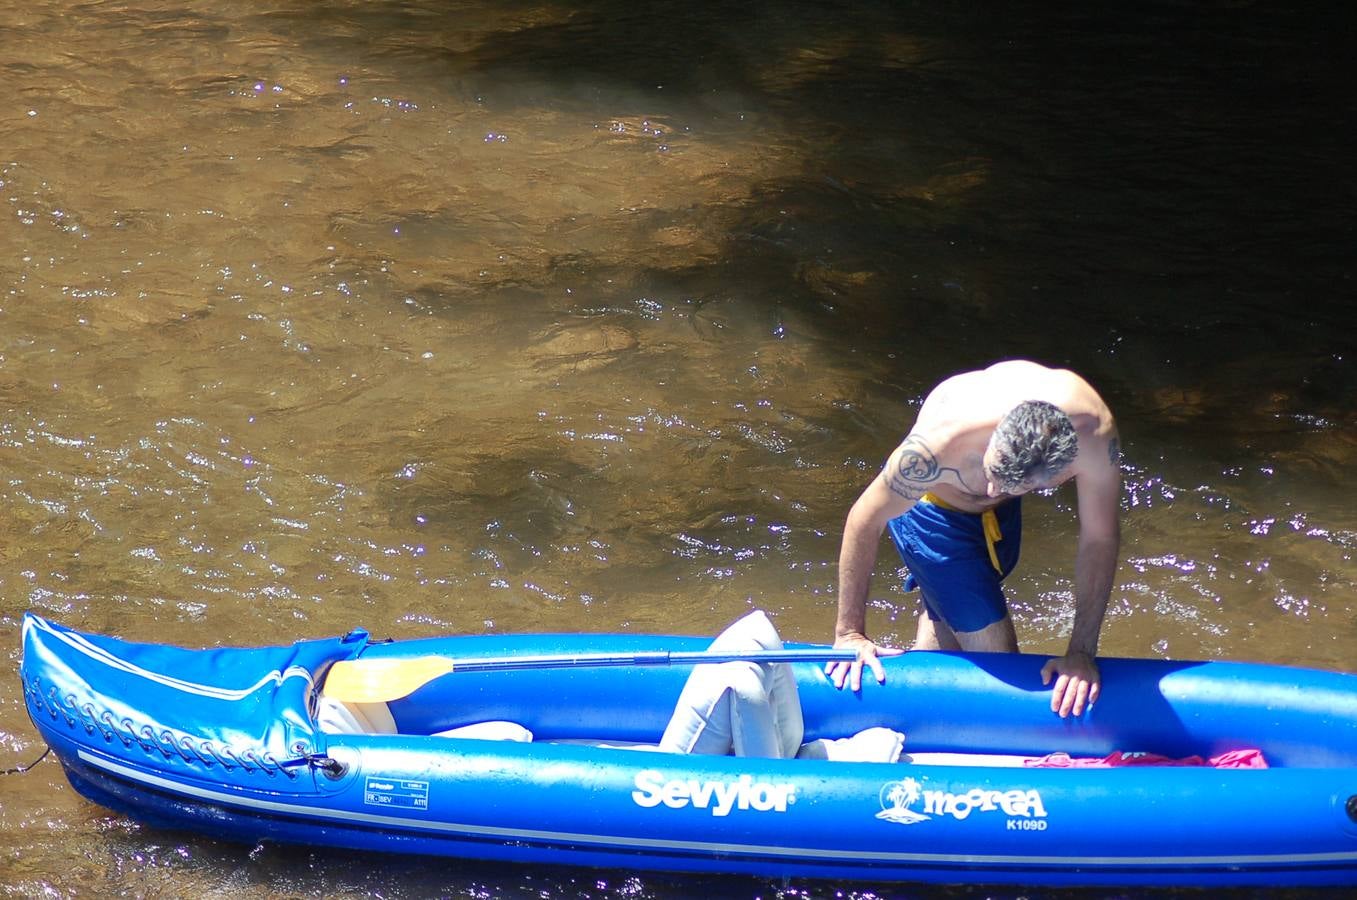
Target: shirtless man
[(950, 496)]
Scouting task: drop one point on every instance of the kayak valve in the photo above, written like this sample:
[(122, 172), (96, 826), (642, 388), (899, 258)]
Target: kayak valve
[(1352, 807), (333, 768)]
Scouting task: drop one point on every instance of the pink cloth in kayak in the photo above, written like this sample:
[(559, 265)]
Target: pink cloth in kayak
[(1234, 759)]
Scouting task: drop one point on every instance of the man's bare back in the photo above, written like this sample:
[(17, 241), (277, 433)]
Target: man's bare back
[(947, 444)]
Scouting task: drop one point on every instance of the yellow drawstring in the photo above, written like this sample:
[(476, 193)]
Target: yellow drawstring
[(988, 519)]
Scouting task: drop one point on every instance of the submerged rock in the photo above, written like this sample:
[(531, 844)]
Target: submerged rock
[(581, 348)]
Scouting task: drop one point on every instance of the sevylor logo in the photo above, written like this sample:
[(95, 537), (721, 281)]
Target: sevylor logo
[(721, 797)]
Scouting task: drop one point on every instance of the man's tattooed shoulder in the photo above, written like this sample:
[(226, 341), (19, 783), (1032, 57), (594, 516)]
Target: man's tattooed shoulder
[(913, 468)]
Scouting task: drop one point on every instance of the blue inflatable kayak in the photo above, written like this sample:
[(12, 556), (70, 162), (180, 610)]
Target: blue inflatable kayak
[(233, 743)]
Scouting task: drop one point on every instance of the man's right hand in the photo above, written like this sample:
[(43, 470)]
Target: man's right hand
[(850, 673)]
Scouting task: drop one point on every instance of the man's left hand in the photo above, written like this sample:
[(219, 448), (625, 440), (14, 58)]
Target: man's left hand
[(1076, 684)]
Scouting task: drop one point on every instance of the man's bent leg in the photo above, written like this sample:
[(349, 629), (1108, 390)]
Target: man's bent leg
[(997, 637), (933, 634)]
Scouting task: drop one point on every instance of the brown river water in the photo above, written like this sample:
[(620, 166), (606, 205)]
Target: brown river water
[(544, 316)]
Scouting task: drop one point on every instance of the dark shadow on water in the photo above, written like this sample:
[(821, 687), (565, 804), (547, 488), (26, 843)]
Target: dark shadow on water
[(1162, 179), (1159, 198)]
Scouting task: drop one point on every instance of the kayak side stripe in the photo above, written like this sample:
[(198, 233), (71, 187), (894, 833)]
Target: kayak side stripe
[(626, 842), (78, 643)]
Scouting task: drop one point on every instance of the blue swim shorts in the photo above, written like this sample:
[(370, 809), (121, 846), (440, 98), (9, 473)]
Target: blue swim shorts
[(949, 560)]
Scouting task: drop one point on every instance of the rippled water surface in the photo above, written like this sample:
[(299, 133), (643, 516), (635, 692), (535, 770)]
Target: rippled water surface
[(446, 317)]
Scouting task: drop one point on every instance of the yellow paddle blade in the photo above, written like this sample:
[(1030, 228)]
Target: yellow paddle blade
[(382, 680)]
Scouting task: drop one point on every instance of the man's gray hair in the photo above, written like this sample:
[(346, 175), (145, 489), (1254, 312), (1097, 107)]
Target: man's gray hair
[(1035, 439)]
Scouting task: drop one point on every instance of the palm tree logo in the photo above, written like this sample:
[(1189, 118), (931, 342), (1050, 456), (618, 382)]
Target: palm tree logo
[(896, 799)]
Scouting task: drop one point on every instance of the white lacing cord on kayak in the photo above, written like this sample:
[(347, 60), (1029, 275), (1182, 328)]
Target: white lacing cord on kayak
[(19, 770), (165, 741)]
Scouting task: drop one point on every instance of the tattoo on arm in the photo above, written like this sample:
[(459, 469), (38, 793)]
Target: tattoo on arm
[(1114, 452), (915, 469)]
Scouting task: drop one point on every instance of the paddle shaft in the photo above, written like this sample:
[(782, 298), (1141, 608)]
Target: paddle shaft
[(647, 658), (382, 678)]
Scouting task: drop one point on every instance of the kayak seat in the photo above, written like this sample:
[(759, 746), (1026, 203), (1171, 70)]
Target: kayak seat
[(748, 709), (739, 708), (336, 717)]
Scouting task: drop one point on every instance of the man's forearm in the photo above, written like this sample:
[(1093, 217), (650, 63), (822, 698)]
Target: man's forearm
[(1094, 571), (857, 555), (856, 563), (857, 559)]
